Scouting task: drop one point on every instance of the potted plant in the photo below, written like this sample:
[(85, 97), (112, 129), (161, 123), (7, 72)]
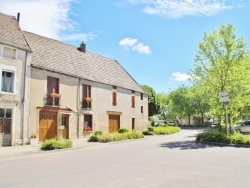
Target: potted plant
[(33, 140), (88, 99)]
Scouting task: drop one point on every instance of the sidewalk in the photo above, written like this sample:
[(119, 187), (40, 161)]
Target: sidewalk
[(15, 151)]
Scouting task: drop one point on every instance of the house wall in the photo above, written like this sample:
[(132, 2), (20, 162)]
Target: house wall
[(68, 91), (14, 100), (69, 87)]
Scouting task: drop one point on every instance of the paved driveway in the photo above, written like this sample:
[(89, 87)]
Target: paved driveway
[(173, 161)]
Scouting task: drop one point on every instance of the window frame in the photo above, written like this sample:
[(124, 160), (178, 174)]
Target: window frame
[(13, 70), (86, 94)]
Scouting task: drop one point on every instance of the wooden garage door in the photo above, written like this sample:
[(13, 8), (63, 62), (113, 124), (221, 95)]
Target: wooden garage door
[(47, 125), (114, 123)]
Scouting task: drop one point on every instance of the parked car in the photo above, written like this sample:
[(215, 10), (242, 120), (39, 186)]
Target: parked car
[(158, 123), (244, 127)]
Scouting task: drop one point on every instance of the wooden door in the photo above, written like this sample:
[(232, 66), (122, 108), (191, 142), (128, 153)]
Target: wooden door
[(65, 123), (114, 123), (47, 125)]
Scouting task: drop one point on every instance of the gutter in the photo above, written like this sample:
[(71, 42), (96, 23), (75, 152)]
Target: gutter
[(78, 109), (24, 93)]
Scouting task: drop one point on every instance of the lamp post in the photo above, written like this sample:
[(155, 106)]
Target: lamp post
[(224, 99)]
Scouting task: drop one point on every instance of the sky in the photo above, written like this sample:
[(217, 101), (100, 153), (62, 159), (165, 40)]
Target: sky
[(154, 40)]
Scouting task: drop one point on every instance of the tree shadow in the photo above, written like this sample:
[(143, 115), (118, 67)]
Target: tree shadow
[(185, 145)]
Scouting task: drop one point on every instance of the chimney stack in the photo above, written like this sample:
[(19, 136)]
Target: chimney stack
[(82, 47), (18, 17)]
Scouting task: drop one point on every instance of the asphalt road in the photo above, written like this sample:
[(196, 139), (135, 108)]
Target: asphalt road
[(173, 161)]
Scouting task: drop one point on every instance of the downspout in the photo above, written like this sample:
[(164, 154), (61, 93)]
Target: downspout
[(78, 108), (24, 89)]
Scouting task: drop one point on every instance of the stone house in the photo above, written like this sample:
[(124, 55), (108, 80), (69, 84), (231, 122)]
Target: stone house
[(15, 58), (73, 92)]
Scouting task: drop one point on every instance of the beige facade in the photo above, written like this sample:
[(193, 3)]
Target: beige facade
[(50, 89), (14, 106), (70, 89)]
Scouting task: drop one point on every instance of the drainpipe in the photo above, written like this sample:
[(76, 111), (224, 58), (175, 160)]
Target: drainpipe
[(24, 92), (78, 108)]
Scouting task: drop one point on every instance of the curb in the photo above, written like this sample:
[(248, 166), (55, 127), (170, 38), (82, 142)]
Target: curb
[(225, 145)]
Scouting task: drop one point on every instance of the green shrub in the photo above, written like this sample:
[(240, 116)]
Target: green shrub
[(161, 130), (151, 129), (52, 144), (134, 135), (112, 137), (221, 137), (98, 133), (147, 132), (93, 138), (123, 130)]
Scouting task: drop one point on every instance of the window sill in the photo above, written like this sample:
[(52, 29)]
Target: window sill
[(6, 93), (53, 106)]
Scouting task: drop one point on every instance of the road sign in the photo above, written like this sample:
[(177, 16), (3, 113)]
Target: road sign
[(226, 103), (223, 94), (223, 99)]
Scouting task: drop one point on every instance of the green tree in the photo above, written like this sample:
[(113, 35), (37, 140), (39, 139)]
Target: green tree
[(222, 62), (183, 102), (153, 102)]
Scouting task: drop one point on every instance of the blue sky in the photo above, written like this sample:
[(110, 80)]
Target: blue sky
[(154, 40)]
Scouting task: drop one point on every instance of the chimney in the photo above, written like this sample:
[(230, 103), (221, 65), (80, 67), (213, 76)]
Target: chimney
[(82, 47), (18, 17)]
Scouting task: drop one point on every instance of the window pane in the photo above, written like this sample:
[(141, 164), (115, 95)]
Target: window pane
[(1, 113), (7, 81), (8, 113)]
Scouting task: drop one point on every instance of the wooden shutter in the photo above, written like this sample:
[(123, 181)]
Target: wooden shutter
[(133, 101), (114, 98)]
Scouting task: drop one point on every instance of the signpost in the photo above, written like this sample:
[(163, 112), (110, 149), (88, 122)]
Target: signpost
[(224, 99)]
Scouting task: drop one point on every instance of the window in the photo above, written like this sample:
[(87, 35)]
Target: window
[(7, 78), (141, 109), (87, 123), (86, 96), (114, 98), (52, 87), (9, 53), (5, 121), (141, 96), (7, 82), (133, 101), (133, 123)]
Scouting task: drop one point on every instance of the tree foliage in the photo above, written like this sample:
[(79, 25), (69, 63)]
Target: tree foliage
[(153, 102), (222, 62)]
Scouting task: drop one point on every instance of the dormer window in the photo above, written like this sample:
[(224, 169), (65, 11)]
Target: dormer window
[(9, 52)]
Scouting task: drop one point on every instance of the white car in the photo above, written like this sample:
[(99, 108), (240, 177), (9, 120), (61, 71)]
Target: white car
[(243, 127)]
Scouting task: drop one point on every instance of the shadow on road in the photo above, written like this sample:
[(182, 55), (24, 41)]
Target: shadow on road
[(184, 145)]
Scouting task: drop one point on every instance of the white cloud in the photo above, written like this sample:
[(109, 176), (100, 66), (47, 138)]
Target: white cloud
[(178, 76), (180, 8), (142, 48), (48, 18), (130, 43)]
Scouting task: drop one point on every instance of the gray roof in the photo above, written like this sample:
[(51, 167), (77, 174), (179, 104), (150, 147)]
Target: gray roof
[(56, 56), (11, 34)]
